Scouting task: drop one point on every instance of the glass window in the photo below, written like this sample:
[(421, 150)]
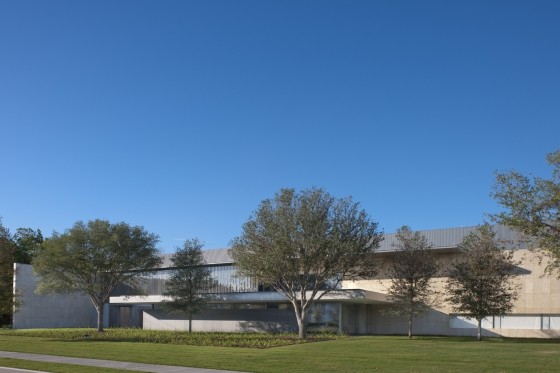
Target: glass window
[(224, 279)]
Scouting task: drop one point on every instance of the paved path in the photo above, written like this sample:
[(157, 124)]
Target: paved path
[(109, 363), (17, 370)]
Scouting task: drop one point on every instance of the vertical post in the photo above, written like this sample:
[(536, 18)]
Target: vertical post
[(340, 318), (14, 294)]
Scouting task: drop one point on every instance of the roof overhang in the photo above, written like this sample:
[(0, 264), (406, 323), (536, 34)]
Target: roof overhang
[(435, 250), (341, 296)]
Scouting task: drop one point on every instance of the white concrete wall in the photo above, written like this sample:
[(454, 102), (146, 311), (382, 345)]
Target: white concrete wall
[(266, 320), (51, 310), (538, 297)]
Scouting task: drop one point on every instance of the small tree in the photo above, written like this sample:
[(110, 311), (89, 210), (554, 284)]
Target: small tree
[(413, 266), (93, 258), (304, 244), (480, 283), (188, 281), (533, 207)]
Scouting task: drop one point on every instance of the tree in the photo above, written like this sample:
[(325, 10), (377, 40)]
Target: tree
[(411, 270), (189, 280), (304, 244), (6, 276), (533, 207), (480, 283), (27, 243), (93, 258)]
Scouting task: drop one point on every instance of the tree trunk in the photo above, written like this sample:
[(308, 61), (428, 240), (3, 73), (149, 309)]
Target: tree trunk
[(190, 322), (300, 317), (479, 332), (99, 309), (301, 328), (410, 315)]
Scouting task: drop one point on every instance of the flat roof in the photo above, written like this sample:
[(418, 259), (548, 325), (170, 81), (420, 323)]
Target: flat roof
[(449, 238), (442, 240)]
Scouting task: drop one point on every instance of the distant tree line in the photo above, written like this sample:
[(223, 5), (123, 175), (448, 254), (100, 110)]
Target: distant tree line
[(17, 248)]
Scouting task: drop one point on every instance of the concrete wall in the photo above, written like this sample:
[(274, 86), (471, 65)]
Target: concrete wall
[(538, 299), (228, 320), (539, 293), (371, 319), (52, 310), (536, 312)]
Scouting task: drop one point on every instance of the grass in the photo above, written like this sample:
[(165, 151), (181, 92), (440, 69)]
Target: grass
[(215, 339), (55, 367), (350, 354)]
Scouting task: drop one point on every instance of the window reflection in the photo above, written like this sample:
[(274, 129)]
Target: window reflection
[(224, 279)]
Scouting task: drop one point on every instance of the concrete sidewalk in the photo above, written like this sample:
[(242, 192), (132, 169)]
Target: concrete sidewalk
[(109, 363)]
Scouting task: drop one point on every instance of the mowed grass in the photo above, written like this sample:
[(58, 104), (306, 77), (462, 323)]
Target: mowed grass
[(213, 339), (350, 354), (56, 367)]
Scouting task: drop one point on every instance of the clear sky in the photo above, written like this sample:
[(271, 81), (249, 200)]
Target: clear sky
[(181, 116)]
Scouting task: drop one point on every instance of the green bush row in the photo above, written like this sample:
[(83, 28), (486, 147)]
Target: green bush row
[(215, 339)]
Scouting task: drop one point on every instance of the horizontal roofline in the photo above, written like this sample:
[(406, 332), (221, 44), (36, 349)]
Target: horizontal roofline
[(441, 240)]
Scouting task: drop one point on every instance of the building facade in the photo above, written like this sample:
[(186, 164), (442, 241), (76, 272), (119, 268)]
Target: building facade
[(238, 303)]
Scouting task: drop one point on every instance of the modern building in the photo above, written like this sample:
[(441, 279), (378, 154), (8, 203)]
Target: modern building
[(238, 303)]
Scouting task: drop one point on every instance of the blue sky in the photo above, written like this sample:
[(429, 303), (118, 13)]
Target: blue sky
[(181, 116)]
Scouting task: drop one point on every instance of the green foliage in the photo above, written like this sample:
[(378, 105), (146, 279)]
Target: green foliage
[(350, 354), (533, 207), (214, 339), (189, 279), (27, 242), (304, 244), (412, 267), (480, 285), (93, 258), (9, 254), (6, 276)]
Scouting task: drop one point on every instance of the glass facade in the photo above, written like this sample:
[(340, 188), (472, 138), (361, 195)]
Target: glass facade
[(224, 279), (323, 316)]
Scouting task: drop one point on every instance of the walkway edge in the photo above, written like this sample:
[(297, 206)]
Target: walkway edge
[(109, 363)]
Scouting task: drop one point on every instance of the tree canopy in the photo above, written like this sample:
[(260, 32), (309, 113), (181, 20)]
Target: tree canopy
[(413, 265), (304, 244), (92, 258), (533, 207), (6, 276), (189, 279), (479, 283), (27, 242)]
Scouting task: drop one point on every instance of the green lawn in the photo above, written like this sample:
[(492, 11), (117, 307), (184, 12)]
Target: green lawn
[(55, 367), (352, 354)]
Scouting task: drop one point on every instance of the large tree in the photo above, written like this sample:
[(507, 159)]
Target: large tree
[(190, 278), (479, 283), (92, 258), (533, 207), (412, 267), (304, 244), (6, 276)]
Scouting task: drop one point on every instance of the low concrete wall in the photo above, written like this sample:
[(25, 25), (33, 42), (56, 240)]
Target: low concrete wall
[(268, 320), (52, 310)]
